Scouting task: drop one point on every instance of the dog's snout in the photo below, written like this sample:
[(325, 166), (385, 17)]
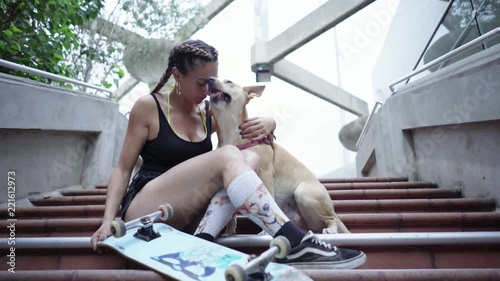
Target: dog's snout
[(211, 82), (212, 88)]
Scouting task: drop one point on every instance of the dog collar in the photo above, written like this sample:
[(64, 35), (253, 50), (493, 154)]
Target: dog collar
[(254, 143)]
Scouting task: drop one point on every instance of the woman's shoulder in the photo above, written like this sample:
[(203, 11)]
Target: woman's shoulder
[(147, 102), (144, 106)]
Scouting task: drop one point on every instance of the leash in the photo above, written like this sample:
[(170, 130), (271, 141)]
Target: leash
[(254, 143)]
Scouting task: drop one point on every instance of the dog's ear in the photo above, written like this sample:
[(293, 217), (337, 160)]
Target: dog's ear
[(254, 91)]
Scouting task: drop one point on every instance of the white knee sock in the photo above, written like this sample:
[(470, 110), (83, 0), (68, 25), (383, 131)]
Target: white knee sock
[(249, 195), (218, 214)]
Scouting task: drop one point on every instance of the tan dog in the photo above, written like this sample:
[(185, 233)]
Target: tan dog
[(296, 190)]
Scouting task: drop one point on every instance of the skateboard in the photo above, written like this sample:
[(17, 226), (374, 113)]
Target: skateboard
[(182, 256)]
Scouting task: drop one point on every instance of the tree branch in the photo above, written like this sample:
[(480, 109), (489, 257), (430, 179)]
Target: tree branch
[(15, 12)]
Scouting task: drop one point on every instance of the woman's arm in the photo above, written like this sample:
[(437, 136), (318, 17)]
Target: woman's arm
[(258, 127), (136, 136)]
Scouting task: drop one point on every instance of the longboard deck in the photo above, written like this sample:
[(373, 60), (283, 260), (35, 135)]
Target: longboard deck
[(186, 257)]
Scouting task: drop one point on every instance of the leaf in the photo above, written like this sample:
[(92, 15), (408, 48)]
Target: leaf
[(15, 29), (58, 56), (67, 45), (117, 82), (106, 84), (121, 73), (8, 33), (15, 46)]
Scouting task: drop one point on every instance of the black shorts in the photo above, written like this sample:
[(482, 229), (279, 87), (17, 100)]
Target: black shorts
[(138, 182)]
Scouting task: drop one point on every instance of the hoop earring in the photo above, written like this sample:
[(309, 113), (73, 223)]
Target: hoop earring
[(178, 88)]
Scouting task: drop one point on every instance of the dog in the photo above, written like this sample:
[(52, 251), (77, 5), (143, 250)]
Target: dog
[(295, 189)]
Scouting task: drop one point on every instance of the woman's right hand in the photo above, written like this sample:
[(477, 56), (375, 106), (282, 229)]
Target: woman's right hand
[(102, 233)]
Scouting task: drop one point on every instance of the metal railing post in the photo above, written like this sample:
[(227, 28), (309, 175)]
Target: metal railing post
[(492, 34), (49, 75)]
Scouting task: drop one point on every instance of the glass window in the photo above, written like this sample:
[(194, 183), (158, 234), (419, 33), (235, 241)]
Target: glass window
[(459, 27), (488, 18)]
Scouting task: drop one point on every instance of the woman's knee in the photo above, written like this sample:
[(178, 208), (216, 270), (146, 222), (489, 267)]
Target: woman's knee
[(233, 161), (230, 153), (234, 156), (251, 158)]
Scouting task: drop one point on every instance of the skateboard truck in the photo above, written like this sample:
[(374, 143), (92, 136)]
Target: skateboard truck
[(255, 268), (146, 232)]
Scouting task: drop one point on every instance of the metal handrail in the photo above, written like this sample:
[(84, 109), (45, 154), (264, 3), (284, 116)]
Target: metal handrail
[(492, 34), (368, 123), (49, 75), (465, 32), (443, 16), (248, 241)]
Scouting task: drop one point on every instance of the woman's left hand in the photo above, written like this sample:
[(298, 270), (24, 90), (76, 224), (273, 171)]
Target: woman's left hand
[(257, 128)]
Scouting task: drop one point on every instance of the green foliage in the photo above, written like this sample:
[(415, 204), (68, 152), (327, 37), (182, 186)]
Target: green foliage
[(42, 33), (158, 18), (57, 36)]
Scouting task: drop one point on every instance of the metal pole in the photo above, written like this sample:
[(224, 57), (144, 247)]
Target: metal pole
[(45, 74), (247, 241), (345, 152), (465, 32), (377, 239), (261, 21), (368, 123), (464, 48)]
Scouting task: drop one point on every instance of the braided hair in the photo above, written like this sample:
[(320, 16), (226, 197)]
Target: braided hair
[(185, 56)]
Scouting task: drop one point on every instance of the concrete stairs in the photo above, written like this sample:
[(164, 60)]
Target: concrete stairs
[(390, 219)]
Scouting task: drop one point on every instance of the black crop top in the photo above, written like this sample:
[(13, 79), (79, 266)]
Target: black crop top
[(168, 149)]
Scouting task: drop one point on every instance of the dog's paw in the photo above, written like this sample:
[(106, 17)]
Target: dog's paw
[(330, 231), (231, 227), (262, 233)]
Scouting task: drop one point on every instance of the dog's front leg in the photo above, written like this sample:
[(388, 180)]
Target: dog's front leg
[(231, 226), (316, 207)]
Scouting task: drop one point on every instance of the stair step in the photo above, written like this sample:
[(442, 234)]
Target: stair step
[(415, 205), (364, 179), (69, 200), (378, 185), (463, 274), (356, 223), (418, 193), (334, 194), (405, 222), (386, 257), (47, 227), (82, 211), (83, 192), (86, 274), (341, 207)]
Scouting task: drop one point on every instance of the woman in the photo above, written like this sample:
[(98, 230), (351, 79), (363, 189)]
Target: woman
[(171, 132)]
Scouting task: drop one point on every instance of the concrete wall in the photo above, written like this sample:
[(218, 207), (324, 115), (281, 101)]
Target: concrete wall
[(443, 128), (475, 160), (54, 138), (411, 28)]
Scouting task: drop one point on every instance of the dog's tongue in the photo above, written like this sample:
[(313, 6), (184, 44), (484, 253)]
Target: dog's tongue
[(215, 94)]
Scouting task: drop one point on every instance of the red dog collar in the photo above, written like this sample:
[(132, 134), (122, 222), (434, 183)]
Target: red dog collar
[(254, 143)]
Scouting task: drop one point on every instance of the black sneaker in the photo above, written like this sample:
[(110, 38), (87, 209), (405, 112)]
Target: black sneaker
[(312, 253)]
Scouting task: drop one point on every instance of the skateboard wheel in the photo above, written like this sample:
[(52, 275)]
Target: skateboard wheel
[(235, 272), (118, 228), (167, 212), (283, 245)]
